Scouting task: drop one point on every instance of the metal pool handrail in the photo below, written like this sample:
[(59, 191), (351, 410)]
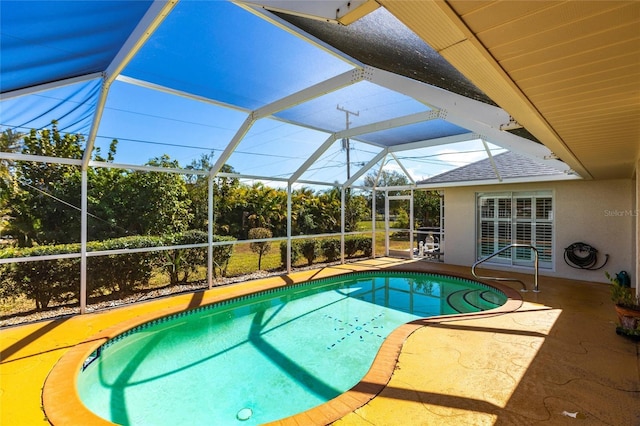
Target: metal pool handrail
[(524, 286)]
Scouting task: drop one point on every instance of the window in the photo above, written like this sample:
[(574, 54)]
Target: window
[(517, 217)]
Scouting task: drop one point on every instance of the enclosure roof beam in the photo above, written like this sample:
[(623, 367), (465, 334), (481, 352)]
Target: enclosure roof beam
[(15, 156), (406, 172), (375, 183), (48, 86), (273, 179), (146, 168), (251, 177), (313, 158), (440, 99), (493, 162), (327, 86), (231, 146), (395, 188), (179, 93), (342, 12), (149, 23), (388, 124), (366, 167), (361, 130), (157, 12), (434, 142), (478, 117)]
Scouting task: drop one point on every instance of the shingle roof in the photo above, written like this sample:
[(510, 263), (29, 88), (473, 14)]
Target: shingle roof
[(509, 165)]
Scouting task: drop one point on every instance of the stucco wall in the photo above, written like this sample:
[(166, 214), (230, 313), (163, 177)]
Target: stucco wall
[(600, 213), (636, 278)]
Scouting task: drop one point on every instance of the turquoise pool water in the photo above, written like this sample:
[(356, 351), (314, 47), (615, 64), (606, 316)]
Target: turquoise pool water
[(264, 357)]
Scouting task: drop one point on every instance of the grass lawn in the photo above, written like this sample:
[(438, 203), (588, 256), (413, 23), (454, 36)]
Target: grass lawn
[(244, 261)]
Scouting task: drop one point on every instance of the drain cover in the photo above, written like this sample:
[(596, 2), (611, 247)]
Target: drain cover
[(244, 414)]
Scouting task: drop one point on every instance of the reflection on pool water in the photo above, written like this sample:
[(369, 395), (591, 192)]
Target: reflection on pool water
[(266, 356)]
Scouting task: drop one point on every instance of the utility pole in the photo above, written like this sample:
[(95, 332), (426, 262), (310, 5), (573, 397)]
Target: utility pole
[(345, 141)]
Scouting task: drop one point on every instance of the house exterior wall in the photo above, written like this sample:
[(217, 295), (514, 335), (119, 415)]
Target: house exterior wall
[(602, 214), (636, 278)]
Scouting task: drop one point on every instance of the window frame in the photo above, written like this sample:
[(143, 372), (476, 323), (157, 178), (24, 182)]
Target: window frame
[(504, 218)]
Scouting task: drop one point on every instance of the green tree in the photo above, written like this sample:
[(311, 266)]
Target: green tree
[(402, 220), (265, 206), (302, 211), (260, 247), (328, 210), (426, 208), (384, 179), (9, 142), (198, 189), (426, 204), (356, 210), (42, 200), (180, 264), (259, 206), (45, 198), (104, 198), (156, 202), (314, 213)]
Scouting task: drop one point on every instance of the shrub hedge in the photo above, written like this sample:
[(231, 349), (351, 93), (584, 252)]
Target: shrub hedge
[(329, 248), (121, 273), (43, 281), (58, 280), (221, 255)]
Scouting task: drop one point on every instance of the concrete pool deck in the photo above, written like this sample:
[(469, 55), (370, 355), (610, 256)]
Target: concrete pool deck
[(555, 360)]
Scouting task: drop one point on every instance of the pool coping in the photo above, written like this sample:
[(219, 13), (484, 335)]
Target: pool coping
[(62, 403)]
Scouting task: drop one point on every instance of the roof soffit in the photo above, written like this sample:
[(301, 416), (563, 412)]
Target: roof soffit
[(568, 71), (439, 24)]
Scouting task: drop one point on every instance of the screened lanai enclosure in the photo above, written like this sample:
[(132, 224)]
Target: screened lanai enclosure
[(157, 141)]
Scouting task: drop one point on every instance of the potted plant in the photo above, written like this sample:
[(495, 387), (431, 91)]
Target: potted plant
[(626, 303)]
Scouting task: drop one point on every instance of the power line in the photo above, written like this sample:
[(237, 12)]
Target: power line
[(69, 204)]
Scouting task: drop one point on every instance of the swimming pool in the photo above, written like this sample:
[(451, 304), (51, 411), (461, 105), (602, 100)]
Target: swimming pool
[(266, 356)]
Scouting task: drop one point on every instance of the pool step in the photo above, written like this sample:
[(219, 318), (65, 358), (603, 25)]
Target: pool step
[(464, 301)]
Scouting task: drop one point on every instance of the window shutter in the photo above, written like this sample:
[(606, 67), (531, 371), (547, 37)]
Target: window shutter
[(486, 238), (523, 236), (544, 241), (520, 217), (504, 238)]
